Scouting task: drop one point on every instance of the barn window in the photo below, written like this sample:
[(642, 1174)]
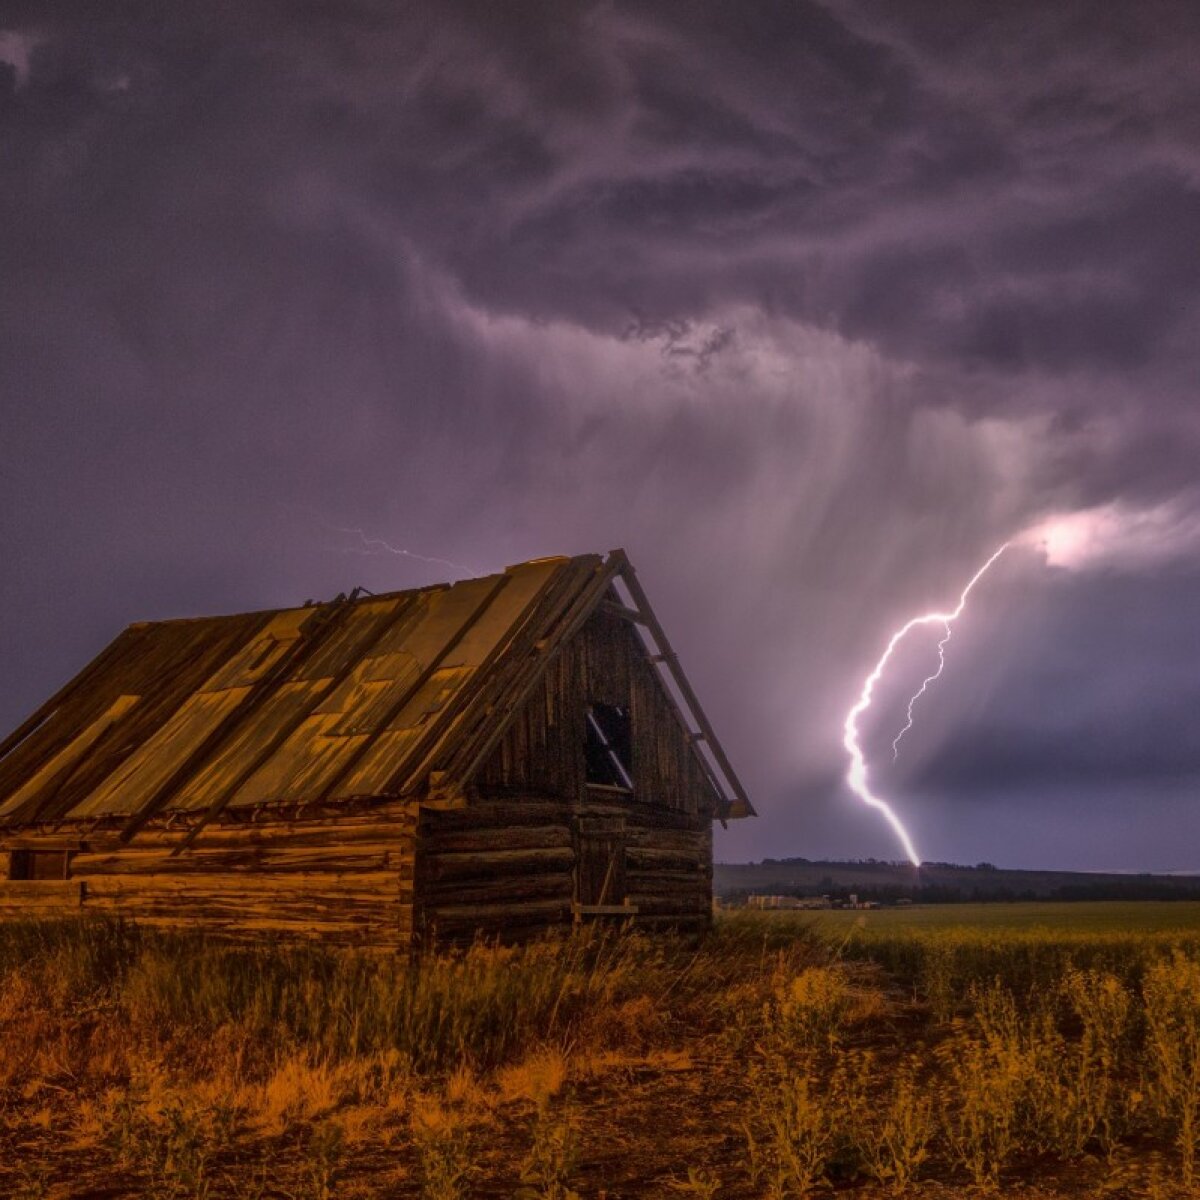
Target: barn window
[(609, 746), (39, 864)]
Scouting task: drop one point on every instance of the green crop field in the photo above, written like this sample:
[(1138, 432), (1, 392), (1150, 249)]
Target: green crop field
[(1124, 916)]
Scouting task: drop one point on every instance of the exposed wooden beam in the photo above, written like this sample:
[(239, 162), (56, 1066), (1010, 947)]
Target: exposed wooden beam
[(740, 806), (623, 611)]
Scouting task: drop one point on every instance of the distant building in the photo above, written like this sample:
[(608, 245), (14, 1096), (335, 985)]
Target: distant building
[(778, 902), (493, 757)]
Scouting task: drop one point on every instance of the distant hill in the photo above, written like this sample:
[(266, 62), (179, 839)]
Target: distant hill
[(934, 882)]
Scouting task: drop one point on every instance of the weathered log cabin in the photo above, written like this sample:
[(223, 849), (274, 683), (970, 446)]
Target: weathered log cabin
[(492, 757)]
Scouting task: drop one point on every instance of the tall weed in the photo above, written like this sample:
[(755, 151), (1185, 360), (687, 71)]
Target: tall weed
[(790, 1135), (1098, 1103), (445, 1150), (1171, 991), (894, 1134), (553, 1154), (989, 1065)]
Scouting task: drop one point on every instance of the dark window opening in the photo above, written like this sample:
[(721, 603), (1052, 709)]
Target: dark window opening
[(39, 864), (609, 746)]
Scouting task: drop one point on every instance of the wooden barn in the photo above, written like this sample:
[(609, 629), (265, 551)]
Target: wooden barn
[(491, 757)]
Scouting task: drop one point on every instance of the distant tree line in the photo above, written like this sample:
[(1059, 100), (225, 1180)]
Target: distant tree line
[(948, 893), (941, 883)]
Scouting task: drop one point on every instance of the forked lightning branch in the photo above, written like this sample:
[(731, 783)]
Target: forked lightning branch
[(856, 775)]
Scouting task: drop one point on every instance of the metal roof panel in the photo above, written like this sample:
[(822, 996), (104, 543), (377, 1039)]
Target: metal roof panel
[(326, 702)]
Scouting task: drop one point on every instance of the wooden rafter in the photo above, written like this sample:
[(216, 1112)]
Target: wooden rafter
[(737, 805)]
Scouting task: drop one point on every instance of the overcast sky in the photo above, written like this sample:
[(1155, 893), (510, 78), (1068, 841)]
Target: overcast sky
[(809, 306)]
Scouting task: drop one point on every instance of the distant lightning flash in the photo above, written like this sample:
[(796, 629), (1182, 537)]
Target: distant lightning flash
[(856, 776), (369, 546), (374, 545)]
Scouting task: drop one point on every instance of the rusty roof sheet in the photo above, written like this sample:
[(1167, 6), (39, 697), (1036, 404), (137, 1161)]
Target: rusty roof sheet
[(328, 702)]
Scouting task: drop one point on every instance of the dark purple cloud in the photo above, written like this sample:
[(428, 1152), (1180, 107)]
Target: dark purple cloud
[(809, 306)]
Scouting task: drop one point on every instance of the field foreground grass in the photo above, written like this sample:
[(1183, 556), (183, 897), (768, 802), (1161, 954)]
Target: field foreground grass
[(782, 1056)]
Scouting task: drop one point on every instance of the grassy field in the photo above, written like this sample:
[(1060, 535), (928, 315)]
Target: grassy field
[(1022, 1051), (1104, 916)]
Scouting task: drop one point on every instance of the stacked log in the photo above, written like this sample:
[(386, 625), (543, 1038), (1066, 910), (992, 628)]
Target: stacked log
[(502, 870), (338, 879)]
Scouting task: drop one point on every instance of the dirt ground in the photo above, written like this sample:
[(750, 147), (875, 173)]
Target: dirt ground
[(639, 1124)]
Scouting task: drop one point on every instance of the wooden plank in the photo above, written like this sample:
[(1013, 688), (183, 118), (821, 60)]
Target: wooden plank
[(239, 903), (60, 765), (495, 815), (519, 838), (492, 916), (657, 858), (360, 857), (447, 624), (163, 664), (380, 884), (41, 843), (330, 831), (235, 906), (642, 811), (41, 893), (157, 761), (291, 637), (663, 884), (503, 889), (677, 827), (248, 746), (475, 865)]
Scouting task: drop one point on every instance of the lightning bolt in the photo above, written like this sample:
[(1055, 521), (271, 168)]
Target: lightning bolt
[(947, 620), (856, 775), (370, 545), (375, 545)]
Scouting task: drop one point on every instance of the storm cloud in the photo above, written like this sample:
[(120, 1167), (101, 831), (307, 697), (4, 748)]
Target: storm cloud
[(809, 306)]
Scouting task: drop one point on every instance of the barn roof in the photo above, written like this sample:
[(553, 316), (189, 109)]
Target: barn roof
[(358, 697)]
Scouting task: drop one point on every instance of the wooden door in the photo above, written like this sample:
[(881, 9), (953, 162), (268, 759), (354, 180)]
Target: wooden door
[(600, 863)]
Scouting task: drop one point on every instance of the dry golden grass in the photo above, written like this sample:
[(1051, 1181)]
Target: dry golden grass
[(767, 1062), (537, 1079)]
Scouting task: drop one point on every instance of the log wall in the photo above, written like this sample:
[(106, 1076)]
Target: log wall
[(495, 870), (342, 879), (507, 869), (668, 865)]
